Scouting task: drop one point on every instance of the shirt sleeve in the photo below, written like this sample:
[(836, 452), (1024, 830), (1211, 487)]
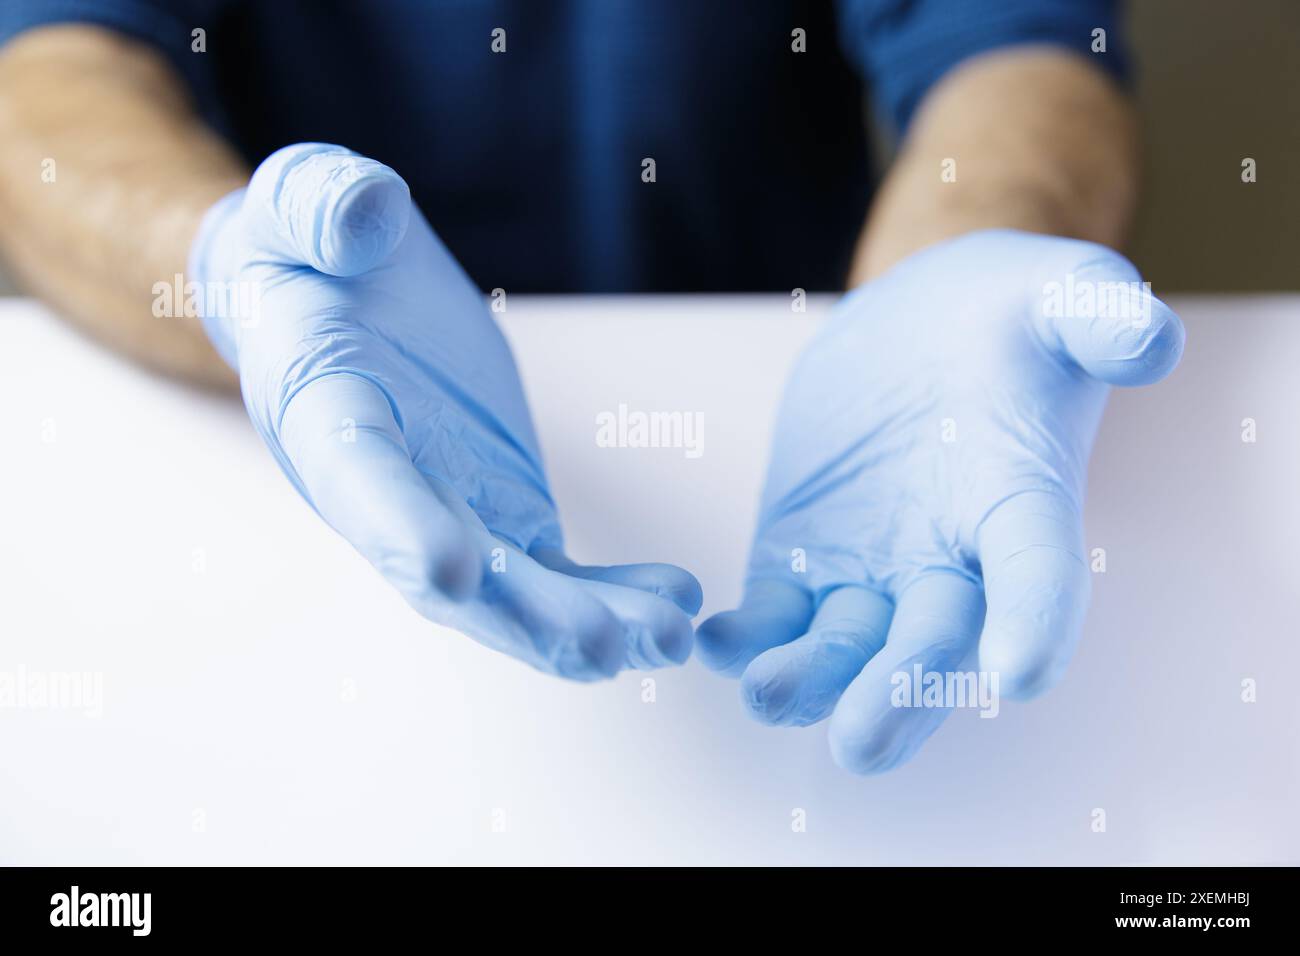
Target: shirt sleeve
[(166, 25), (902, 47)]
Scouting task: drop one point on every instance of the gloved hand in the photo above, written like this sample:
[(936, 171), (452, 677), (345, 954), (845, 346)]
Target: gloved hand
[(929, 459), (375, 374)]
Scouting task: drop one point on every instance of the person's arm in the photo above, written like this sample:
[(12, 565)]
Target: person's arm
[(367, 359), (105, 173), (1032, 138)]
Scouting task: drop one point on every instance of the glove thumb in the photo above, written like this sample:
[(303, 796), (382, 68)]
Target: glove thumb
[(326, 207), (1097, 312)]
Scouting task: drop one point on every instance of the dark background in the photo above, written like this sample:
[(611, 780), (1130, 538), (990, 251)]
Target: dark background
[(1217, 81)]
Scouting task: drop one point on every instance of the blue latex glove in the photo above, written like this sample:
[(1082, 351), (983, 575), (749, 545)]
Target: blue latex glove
[(930, 456), (377, 377)]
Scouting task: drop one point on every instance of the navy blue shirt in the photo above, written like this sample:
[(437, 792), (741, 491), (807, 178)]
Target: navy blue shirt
[(529, 162)]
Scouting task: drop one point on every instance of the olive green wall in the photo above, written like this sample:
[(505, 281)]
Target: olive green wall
[(1219, 81)]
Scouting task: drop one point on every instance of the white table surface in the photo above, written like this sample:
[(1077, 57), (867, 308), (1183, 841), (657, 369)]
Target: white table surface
[(284, 705)]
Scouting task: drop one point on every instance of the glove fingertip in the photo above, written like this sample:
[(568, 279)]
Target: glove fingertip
[(327, 207), (1158, 355), (768, 698), (865, 750), (365, 223), (676, 640), (456, 572), (598, 653), (685, 592), (718, 642), (1022, 673)]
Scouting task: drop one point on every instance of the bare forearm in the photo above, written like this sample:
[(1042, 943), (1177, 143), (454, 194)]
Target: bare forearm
[(105, 172), (1031, 138)]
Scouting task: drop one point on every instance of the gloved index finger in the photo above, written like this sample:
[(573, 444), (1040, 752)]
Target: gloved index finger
[(798, 683), (662, 580), (885, 715), (1037, 584), (773, 612)]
